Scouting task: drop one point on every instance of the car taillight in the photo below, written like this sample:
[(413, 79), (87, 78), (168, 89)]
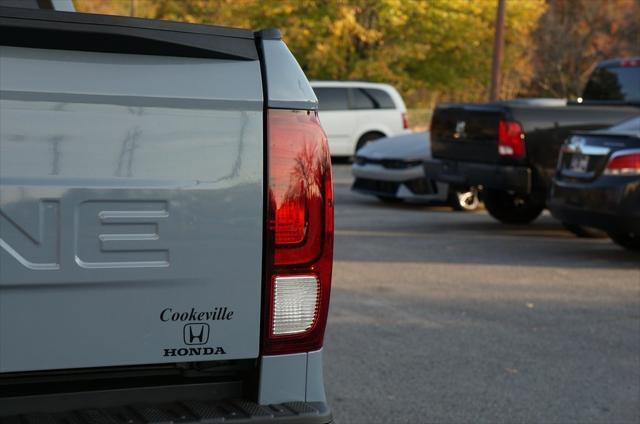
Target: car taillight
[(622, 163), (299, 235), (405, 121), (510, 139), (629, 62)]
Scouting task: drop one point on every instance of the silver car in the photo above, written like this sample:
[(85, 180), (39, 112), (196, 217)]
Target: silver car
[(391, 168)]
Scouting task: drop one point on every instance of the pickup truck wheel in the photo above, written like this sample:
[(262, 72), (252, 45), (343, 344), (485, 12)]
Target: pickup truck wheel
[(630, 241), (366, 138), (584, 232), (464, 198), (512, 208)]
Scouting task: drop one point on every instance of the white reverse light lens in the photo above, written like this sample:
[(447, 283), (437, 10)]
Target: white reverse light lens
[(295, 304)]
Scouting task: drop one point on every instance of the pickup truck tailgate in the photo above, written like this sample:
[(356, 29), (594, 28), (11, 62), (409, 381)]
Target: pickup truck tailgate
[(466, 133), (131, 209)]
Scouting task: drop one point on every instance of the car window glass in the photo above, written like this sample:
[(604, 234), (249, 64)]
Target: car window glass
[(381, 98), (332, 98), (614, 83), (361, 100)]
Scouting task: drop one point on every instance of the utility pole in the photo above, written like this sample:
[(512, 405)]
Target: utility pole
[(132, 7), (498, 47)]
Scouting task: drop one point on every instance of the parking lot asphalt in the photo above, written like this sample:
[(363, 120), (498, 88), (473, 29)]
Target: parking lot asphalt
[(451, 317)]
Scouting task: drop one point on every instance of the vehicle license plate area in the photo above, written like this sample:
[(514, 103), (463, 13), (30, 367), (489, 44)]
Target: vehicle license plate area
[(579, 163)]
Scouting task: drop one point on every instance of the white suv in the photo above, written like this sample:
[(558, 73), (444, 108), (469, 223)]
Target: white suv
[(354, 113)]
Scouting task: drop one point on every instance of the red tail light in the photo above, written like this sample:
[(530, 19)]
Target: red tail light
[(299, 244), (630, 62), (405, 121), (510, 139), (622, 163)]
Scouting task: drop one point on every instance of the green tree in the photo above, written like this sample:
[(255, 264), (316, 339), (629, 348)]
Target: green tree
[(430, 50), (574, 35)]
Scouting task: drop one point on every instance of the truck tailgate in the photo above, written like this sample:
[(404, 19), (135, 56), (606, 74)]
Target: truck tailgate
[(131, 209), (467, 133)]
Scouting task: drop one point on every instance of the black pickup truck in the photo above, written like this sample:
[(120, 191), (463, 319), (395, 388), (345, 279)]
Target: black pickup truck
[(511, 148)]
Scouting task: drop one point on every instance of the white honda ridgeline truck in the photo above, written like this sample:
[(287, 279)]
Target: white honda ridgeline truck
[(166, 224)]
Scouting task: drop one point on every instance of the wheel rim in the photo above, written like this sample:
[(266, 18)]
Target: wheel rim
[(468, 200)]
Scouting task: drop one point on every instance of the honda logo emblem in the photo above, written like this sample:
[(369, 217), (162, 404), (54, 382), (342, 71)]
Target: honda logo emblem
[(196, 334)]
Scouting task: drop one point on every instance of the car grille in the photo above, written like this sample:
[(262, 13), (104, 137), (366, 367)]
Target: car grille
[(388, 163), (381, 187), (422, 186), (416, 186)]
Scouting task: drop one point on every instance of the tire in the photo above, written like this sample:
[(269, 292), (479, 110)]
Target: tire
[(630, 241), (464, 198), (390, 200), (584, 232), (366, 138), (512, 208)]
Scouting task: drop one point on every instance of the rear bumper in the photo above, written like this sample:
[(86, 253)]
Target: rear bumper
[(498, 177), (192, 412), (610, 203)]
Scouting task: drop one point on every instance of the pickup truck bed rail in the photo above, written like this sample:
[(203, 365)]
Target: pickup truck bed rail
[(117, 34)]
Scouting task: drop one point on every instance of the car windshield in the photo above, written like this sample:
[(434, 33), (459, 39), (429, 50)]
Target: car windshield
[(614, 83)]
